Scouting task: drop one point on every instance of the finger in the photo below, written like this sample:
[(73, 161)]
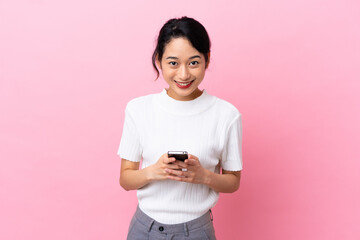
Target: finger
[(181, 164), (190, 156), (169, 160), (180, 179), (191, 161), (177, 172), (172, 166)]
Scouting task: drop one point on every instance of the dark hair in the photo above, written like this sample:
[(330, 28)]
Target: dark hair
[(185, 27)]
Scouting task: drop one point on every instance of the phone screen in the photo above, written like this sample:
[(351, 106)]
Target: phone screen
[(178, 155)]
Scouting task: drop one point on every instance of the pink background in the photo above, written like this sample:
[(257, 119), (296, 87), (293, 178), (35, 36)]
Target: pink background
[(68, 68)]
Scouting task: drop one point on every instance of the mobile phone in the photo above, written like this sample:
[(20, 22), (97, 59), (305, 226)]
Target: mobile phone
[(178, 155)]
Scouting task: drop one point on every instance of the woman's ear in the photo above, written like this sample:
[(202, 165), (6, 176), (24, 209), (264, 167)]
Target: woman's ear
[(158, 63), (208, 61)]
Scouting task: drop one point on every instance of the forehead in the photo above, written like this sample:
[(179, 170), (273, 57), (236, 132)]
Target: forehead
[(180, 47)]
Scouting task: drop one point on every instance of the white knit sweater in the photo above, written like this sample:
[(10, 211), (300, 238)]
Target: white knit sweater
[(207, 127)]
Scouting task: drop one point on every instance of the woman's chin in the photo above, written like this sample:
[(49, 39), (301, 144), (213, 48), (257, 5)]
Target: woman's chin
[(183, 94)]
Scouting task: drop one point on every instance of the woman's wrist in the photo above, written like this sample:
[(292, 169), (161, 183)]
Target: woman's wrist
[(207, 177), (148, 174)]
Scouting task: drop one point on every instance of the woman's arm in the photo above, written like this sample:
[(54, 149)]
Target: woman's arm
[(227, 182), (131, 177)]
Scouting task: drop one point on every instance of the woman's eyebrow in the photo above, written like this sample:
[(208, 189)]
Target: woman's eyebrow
[(196, 56)]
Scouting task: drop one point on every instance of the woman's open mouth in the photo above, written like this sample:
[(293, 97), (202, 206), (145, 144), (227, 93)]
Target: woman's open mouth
[(184, 84)]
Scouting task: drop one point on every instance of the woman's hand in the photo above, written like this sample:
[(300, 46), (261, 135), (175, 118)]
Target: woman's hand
[(194, 173), (157, 170)]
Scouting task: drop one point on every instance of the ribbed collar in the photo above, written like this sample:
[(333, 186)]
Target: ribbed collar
[(176, 107)]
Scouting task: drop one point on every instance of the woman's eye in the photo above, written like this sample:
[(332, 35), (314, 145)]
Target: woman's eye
[(194, 63), (173, 63)]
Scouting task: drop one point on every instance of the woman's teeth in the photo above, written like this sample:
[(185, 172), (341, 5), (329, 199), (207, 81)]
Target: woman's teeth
[(184, 84)]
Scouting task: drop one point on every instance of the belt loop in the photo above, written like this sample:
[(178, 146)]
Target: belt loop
[(186, 230), (150, 225), (211, 215)]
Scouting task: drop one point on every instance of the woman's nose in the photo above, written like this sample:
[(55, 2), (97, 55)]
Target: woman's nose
[(184, 73)]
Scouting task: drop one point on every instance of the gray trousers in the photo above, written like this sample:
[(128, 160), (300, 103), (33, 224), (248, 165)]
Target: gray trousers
[(142, 227)]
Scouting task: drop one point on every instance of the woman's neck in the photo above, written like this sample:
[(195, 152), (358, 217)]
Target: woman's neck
[(195, 94)]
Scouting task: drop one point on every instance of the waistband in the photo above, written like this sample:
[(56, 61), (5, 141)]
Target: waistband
[(153, 225)]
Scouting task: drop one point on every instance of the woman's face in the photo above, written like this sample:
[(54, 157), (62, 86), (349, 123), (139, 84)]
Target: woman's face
[(183, 68)]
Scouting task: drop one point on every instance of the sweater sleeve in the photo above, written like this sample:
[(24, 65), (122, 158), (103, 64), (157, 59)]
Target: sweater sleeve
[(231, 157), (130, 147)]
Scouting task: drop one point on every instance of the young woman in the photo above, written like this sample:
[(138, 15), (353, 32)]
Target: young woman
[(175, 197)]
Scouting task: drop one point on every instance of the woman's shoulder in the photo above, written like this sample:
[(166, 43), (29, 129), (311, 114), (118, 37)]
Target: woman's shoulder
[(139, 103), (226, 108)]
